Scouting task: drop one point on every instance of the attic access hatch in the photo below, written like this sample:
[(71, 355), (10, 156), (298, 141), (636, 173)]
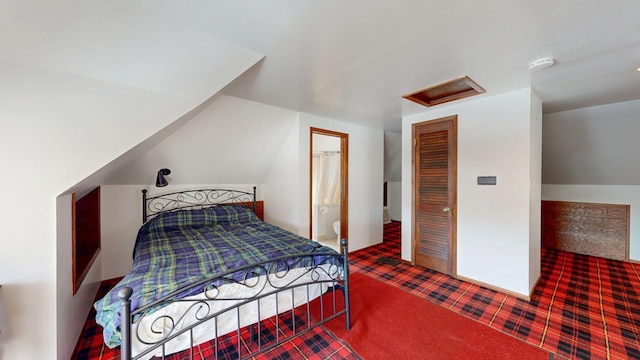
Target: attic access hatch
[(451, 90)]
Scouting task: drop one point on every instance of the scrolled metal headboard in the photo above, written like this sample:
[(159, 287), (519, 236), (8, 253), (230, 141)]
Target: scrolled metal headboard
[(193, 199)]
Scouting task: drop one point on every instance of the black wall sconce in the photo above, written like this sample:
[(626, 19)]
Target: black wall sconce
[(160, 180)]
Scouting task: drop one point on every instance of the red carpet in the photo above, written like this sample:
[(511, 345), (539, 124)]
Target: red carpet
[(582, 308), (390, 323)]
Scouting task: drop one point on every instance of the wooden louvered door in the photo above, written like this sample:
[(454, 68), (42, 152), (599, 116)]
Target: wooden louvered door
[(434, 192)]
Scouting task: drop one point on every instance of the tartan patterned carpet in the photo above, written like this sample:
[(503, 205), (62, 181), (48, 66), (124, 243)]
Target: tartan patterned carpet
[(582, 308), (316, 344)]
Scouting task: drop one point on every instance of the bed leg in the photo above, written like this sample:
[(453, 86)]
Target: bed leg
[(345, 259), (125, 322)]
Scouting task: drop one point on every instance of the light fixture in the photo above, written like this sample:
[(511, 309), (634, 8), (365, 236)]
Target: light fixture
[(160, 180), (4, 321)]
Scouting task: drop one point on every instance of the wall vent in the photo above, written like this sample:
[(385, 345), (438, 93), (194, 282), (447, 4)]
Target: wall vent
[(451, 90)]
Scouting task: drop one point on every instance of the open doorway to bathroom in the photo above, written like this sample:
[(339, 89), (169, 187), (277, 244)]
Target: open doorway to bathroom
[(329, 179)]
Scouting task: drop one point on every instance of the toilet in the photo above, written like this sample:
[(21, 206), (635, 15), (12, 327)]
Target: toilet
[(336, 229)]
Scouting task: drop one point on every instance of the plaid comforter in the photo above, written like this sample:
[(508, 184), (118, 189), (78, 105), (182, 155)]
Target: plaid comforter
[(179, 248)]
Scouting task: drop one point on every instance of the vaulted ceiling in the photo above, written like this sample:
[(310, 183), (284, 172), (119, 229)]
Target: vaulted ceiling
[(347, 60)]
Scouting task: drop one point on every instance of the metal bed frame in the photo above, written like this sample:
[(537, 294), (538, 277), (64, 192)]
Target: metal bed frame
[(194, 199), (329, 268)]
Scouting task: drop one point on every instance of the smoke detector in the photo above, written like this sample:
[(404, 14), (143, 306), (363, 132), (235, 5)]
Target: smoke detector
[(540, 64)]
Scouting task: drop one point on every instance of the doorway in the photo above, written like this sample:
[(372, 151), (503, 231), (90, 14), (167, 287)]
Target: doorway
[(328, 187), (434, 194)]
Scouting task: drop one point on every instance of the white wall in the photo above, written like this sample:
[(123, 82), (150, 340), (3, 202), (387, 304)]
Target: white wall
[(591, 155), (282, 183), (596, 145), (493, 233), (57, 130), (535, 194), (393, 173), (394, 199), (230, 141), (61, 125), (366, 161), (276, 154), (121, 218), (284, 186), (603, 194), (392, 156), (75, 306)]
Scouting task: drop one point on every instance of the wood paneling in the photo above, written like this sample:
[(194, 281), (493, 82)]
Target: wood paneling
[(587, 228)]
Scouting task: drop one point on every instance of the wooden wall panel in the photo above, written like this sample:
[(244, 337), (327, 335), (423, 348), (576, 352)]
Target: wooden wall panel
[(587, 228), (85, 235)]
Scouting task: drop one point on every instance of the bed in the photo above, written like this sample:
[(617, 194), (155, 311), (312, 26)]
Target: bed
[(206, 267)]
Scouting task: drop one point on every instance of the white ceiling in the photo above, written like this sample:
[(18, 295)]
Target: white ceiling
[(347, 60)]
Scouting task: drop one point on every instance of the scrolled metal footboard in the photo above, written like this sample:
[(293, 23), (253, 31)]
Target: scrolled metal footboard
[(272, 280)]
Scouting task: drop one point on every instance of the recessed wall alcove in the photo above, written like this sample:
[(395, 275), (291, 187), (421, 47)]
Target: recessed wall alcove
[(85, 234)]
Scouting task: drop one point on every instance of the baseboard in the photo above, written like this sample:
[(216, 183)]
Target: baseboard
[(534, 286), (496, 288)]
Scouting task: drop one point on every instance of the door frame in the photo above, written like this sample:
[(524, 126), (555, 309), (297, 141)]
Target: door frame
[(344, 180), (453, 189)]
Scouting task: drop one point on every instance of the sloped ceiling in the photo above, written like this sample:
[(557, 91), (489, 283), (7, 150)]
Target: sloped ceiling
[(119, 42), (96, 48), (349, 61), (346, 60), (353, 60), (231, 141)]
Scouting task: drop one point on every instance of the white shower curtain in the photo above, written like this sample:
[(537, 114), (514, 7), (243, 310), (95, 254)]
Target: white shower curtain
[(326, 178)]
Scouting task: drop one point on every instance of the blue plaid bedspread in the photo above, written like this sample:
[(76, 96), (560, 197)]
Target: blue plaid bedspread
[(179, 248)]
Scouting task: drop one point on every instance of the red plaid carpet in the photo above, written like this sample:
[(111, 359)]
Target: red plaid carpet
[(316, 344), (582, 308)]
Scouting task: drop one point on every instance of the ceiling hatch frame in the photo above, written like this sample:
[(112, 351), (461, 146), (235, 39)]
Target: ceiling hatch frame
[(451, 90)]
